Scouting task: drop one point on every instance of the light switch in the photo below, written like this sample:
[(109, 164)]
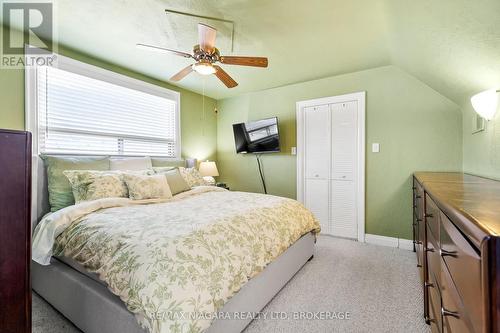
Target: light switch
[(375, 147), (294, 150)]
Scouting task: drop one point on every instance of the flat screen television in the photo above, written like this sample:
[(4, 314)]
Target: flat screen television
[(260, 136)]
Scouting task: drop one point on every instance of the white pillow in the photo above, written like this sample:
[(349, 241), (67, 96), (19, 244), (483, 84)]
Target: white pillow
[(192, 176), (133, 163), (142, 187)]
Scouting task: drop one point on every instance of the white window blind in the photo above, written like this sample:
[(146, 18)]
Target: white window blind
[(82, 115)]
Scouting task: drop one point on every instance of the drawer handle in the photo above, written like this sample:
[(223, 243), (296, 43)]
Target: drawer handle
[(414, 188), (429, 215), (429, 249), (418, 196), (418, 265), (445, 253), (418, 242), (429, 285), (445, 312), (419, 220)]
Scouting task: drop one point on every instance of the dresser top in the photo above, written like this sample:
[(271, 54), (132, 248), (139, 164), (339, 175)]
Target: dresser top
[(471, 202)]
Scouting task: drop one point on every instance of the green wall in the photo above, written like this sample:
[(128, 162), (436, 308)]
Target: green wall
[(481, 151), (198, 128), (417, 128)]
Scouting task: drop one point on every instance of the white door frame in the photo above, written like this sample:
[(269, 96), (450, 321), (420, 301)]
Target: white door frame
[(360, 97)]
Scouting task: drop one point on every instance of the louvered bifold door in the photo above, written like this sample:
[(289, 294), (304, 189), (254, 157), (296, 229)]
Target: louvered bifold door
[(317, 163), (343, 166)]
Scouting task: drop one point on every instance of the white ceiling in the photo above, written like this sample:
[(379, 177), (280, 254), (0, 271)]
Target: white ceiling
[(452, 45), (303, 39)]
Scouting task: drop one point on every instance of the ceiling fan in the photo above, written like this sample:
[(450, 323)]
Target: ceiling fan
[(206, 55)]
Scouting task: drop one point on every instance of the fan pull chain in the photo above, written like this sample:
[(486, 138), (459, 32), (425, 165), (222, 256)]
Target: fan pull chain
[(203, 107)]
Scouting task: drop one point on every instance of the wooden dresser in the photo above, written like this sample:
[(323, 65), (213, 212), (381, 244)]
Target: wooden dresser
[(456, 227), (15, 231)]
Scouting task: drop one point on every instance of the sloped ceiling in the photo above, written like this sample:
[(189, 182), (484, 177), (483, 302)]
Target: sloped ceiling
[(452, 45)]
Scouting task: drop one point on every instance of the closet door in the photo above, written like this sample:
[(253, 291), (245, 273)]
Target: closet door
[(317, 162), (343, 169), (317, 142)]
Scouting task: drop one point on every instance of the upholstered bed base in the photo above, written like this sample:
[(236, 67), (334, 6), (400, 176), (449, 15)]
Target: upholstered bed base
[(94, 309)]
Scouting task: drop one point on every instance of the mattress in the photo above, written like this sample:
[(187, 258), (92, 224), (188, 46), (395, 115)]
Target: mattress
[(98, 310), (176, 262), (79, 267)]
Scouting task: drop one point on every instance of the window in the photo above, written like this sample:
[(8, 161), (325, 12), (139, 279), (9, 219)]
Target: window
[(78, 109)]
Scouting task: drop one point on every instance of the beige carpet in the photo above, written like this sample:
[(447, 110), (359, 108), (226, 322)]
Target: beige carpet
[(378, 286)]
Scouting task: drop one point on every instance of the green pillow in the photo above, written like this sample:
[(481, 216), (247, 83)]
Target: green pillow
[(60, 192), (164, 162), (175, 180)]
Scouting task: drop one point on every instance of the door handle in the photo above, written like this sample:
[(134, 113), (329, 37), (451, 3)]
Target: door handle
[(445, 312), (445, 253)]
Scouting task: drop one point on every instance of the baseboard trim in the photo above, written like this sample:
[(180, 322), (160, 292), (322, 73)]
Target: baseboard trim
[(404, 244)]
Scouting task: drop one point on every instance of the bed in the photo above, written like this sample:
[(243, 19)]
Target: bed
[(100, 287)]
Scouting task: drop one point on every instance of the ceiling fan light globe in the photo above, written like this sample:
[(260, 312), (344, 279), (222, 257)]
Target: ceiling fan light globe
[(204, 68)]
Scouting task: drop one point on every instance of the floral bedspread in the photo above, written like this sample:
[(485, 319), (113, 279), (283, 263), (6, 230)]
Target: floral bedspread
[(174, 263)]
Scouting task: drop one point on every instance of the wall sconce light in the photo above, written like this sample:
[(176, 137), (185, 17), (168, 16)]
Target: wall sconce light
[(486, 103)]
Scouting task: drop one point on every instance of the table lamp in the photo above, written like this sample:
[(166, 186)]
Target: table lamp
[(208, 170)]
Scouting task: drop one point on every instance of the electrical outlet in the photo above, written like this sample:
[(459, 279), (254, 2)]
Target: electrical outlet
[(375, 147), (294, 150)]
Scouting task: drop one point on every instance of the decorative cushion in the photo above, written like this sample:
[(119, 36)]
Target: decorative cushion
[(60, 191), (165, 162), (92, 185), (174, 179), (192, 176), (133, 164), (147, 187)]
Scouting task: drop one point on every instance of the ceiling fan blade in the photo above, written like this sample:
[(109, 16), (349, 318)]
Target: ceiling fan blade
[(224, 77), (206, 36), (244, 61), (163, 50), (182, 74)]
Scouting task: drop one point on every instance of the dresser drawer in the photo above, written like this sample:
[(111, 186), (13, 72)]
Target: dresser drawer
[(452, 311), (419, 249), (420, 245), (433, 257), (419, 200), (464, 266), (434, 304), (432, 216), (418, 237)]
